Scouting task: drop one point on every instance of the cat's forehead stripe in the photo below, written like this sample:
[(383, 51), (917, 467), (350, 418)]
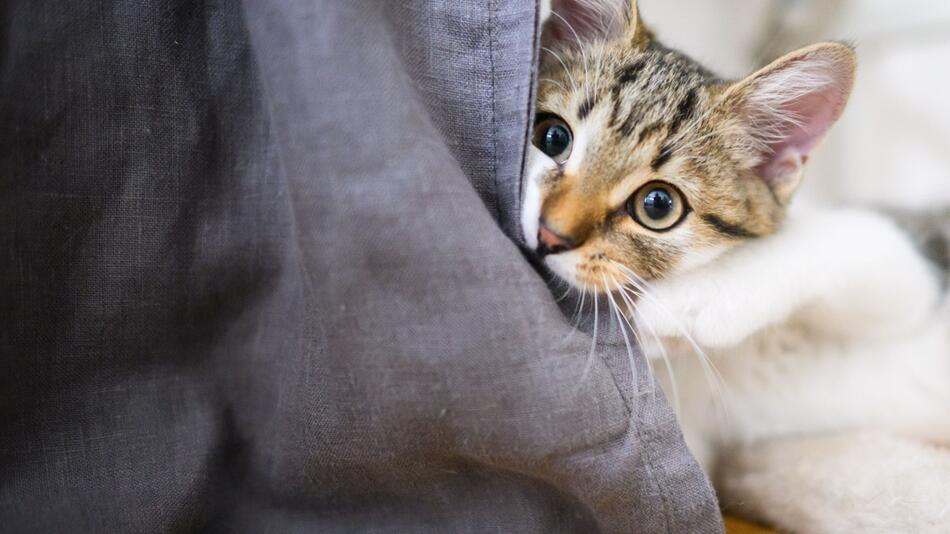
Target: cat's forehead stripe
[(626, 75), (684, 110), (586, 106), (662, 156), (634, 119), (629, 73), (649, 130)]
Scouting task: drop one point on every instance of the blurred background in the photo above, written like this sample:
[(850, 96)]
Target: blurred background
[(892, 146)]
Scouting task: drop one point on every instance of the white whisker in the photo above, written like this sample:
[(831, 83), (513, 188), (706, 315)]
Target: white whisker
[(667, 361), (566, 291), (564, 65), (593, 342), (626, 340), (713, 378), (553, 82), (576, 317), (580, 47)]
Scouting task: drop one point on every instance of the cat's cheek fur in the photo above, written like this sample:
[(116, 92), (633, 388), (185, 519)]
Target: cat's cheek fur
[(697, 257)]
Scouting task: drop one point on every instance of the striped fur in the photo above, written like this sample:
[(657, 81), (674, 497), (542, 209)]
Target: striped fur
[(642, 112)]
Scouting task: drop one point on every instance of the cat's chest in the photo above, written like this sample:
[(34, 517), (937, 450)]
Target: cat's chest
[(789, 381)]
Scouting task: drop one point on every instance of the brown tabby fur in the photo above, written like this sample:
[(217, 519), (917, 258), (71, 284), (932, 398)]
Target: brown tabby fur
[(651, 114)]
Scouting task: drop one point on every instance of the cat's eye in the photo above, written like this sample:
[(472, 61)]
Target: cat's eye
[(553, 137), (658, 206)]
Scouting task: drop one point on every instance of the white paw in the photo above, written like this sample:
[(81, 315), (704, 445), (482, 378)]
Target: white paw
[(700, 311)]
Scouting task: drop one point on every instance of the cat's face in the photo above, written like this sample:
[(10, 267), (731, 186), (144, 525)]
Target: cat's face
[(640, 158)]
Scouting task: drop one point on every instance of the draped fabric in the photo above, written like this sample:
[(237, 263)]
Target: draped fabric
[(261, 274)]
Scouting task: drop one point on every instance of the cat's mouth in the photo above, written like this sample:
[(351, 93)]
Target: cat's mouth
[(592, 273)]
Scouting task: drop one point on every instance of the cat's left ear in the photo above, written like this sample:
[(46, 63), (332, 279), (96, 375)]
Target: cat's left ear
[(787, 108), (575, 22)]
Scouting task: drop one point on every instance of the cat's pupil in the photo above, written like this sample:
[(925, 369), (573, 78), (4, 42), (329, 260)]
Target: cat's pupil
[(658, 204), (556, 140)]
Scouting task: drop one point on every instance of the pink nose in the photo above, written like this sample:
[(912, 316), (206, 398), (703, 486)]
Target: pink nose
[(550, 242)]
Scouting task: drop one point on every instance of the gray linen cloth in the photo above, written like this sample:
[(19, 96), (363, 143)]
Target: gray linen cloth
[(260, 274)]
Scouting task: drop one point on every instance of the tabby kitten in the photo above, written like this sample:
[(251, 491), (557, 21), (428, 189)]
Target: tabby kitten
[(823, 335)]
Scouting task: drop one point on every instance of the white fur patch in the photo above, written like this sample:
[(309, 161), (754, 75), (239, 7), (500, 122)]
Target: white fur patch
[(538, 164), (865, 482), (834, 324), (564, 265)]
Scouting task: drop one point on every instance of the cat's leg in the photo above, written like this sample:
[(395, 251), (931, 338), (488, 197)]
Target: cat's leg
[(845, 271), (870, 483)]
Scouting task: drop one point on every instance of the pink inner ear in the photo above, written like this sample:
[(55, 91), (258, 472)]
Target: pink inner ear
[(799, 125)]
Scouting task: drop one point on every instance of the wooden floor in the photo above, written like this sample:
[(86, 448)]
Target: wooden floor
[(737, 526)]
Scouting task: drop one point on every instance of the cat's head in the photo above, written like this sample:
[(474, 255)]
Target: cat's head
[(641, 157)]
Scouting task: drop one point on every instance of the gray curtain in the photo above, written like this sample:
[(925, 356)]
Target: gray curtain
[(260, 274)]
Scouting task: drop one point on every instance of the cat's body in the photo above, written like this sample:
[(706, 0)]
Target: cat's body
[(855, 337), (668, 189), (832, 341)]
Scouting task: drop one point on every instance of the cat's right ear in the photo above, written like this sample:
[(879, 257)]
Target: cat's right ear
[(575, 22)]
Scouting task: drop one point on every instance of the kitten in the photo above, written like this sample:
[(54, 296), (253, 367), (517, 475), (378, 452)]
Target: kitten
[(666, 190)]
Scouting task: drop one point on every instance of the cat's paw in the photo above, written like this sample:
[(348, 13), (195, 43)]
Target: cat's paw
[(701, 312)]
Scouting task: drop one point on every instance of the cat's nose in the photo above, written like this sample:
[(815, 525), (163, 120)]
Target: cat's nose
[(550, 242)]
